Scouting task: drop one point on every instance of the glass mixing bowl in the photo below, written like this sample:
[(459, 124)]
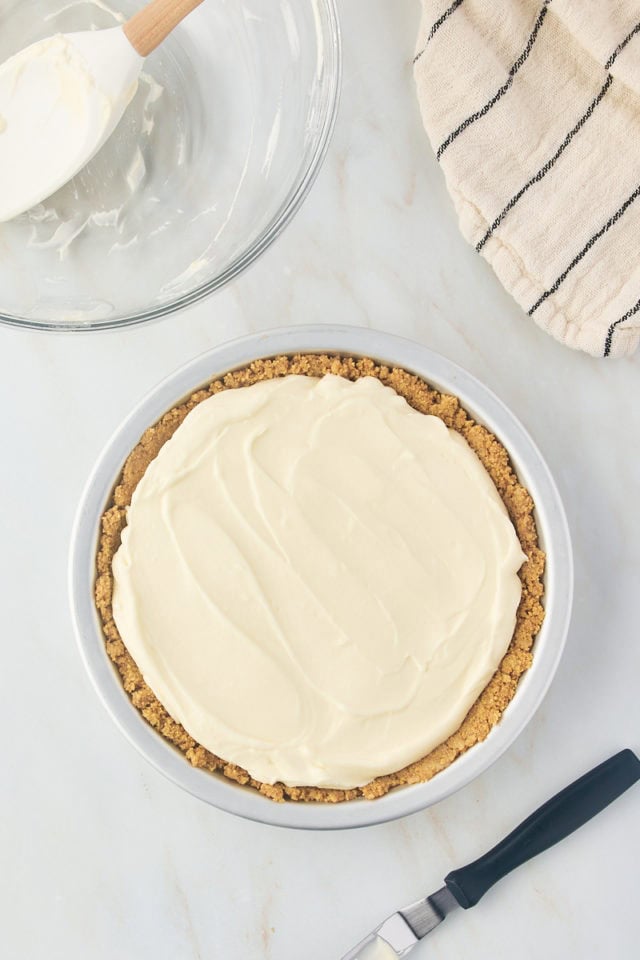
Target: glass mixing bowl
[(227, 131)]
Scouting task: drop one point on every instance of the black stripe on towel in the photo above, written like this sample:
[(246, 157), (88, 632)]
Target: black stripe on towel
[(544, 170), (612, 59), (612, 328), (503, 89), (434, 29), (594, 239)]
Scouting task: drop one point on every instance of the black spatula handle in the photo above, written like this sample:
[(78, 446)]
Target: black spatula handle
[(553, 821)]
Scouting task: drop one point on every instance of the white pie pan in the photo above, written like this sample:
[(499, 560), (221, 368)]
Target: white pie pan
[(532, 471)]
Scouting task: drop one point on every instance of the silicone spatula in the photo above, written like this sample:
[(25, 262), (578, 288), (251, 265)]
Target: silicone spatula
[(62, 98)]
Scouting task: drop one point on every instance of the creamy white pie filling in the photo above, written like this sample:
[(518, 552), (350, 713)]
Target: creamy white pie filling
[(316, 580)]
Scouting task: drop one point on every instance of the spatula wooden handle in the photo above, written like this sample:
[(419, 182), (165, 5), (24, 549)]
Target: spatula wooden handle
[(153, 24)]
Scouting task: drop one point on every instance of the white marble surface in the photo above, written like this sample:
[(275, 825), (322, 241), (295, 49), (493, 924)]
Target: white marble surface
[(103, 859)]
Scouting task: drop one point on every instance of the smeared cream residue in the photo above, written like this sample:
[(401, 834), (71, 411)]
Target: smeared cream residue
[(117, 16), (136, 172), (377, 949), (125, 184), (177, 285)]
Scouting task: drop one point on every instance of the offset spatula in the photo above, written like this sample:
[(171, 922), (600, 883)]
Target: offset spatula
[(553, 821)]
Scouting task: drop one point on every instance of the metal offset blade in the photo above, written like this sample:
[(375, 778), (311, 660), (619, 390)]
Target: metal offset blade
[(393, 938), (400, 932), (425, 915)]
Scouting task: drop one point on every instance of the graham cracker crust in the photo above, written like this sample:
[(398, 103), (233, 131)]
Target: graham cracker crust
[(487, 710)]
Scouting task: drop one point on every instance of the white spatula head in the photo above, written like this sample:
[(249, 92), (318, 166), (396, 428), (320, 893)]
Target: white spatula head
[(62, 98)]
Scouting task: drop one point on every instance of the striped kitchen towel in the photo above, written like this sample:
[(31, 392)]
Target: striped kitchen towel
[(533, 110)]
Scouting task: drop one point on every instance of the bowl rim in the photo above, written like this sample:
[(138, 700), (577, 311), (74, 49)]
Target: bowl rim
[(483, 404), (290, 206)]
